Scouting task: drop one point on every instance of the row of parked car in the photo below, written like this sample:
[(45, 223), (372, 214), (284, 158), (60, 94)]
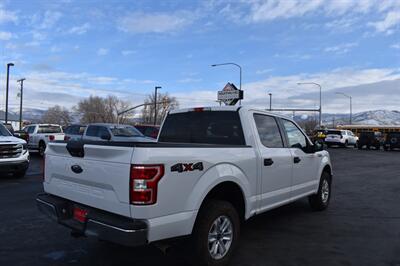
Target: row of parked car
[(39, 135), (370, 139), (15, 145)]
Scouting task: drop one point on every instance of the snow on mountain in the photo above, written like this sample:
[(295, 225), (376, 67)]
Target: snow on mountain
[(375, 117)]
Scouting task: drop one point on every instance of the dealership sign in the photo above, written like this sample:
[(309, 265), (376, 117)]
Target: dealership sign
[(230, 95)]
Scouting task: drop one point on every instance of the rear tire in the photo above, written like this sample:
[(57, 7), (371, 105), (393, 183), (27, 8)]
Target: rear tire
[(216, 234), (42, 148), (320, 201), (346, 144)]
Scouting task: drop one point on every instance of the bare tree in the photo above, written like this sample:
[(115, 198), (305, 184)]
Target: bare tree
[(309, 125), (96, 109), (165, 103), (57, 115)]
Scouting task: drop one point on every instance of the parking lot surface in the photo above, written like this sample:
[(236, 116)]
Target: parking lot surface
[(361, 226)]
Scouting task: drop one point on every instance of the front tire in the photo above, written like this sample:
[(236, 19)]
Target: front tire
[(320, 201), (216, 233)]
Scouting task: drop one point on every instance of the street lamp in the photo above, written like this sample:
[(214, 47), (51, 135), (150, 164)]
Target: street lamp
[(20, 101), (7, 81), (240, 71), (155, 103), (270, 101), (320, 98), (351, 104)]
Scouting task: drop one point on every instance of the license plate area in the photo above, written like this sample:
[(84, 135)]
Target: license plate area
[(80, 214)]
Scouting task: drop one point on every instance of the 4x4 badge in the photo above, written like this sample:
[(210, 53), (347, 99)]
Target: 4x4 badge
[(187, 167)]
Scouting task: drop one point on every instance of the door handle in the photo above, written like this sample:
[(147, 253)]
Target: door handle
[(296, 159), (268, 162)]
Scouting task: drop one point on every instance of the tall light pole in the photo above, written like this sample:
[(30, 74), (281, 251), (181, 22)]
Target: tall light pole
[(270, 101), (320, 98), (7, 81), (21, 95), (155, 103), (351, 104), (234, 64)]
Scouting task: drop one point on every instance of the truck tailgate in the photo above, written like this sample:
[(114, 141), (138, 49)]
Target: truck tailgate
[(100, 179)]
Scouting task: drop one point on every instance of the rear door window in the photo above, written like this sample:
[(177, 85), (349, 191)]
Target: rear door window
[(268, 131), (208, 127), (92, 131)]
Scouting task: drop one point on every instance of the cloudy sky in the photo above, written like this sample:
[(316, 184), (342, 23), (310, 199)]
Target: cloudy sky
[(71, 49)]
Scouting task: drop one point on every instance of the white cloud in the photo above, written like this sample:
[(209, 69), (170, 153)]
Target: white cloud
[(189, 80), (50, 18), (391, 20), (155, 22), (341, 48), (395, 46), (7, 16), (127, 52), (55, 49), (102, 51), (5, 35), (264, 71), (79, 29)]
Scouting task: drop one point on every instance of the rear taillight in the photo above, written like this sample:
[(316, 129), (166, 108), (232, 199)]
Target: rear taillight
[(144, 183), (51, 137)]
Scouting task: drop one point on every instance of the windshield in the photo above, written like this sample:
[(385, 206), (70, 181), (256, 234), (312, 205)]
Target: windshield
[(125, 132), (4, 132)]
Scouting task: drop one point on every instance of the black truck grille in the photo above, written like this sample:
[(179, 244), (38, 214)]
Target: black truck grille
[(10, 151)]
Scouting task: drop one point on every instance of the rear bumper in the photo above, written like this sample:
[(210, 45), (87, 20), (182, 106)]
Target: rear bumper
[(12, 167), (103, 225)]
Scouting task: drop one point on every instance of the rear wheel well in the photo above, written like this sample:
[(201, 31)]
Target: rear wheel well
[(231, 192)]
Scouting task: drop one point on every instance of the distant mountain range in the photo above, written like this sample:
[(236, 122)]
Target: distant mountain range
[(375, 117)]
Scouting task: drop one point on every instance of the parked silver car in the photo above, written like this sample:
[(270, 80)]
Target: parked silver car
[(114, 132)]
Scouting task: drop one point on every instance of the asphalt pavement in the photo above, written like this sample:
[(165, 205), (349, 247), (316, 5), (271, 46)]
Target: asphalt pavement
[(361, 226)]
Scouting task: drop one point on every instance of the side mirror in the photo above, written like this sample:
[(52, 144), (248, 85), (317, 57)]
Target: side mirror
[(105, 136), (318, 146)]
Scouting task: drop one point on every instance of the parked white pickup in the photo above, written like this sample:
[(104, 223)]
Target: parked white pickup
[(210, 169), (40, 135)]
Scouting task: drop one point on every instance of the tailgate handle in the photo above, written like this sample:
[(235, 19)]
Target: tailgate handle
[(76, 169)]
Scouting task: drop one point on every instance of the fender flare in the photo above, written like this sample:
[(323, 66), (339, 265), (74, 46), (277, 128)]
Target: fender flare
[(218, 174)]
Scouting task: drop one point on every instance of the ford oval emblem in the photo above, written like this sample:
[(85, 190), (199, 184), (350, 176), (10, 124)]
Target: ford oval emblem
[(76, 169)]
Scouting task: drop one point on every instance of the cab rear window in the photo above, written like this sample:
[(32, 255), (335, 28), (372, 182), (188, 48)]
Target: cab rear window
[(49, 129), (207, 127)]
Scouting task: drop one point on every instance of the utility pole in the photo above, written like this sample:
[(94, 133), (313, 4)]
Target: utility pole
[(7, 81), (21, 95), (320, 98), (270, 101), (155, 103)]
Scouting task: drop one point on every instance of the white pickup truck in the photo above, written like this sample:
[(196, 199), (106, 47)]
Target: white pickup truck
[(14, 155), (39, 135), (210, 169)]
